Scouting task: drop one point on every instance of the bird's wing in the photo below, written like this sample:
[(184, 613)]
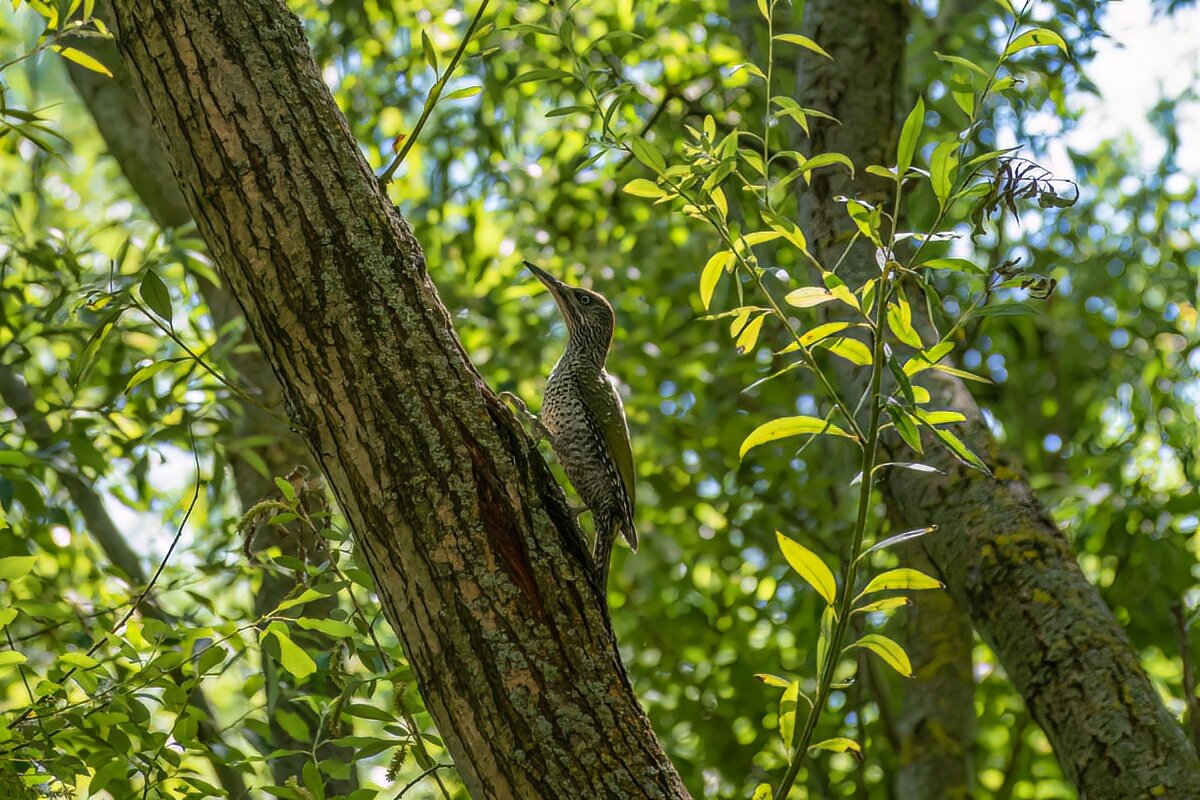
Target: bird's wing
[(611, 414)]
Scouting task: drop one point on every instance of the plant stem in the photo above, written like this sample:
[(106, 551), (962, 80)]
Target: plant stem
[(435, 94), (833, 653)]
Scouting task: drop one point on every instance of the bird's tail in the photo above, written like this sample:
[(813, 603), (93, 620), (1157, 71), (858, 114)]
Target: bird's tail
[(606, 536)]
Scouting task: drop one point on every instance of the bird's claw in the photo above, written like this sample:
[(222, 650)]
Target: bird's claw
[(535, 424)]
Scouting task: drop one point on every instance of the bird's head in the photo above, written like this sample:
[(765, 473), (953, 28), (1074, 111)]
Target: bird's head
[(590, 318)]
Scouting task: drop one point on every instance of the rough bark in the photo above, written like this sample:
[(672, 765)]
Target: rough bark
[(129, 134), (15, 393), (1004, 561), (477, 560), (936, 721)]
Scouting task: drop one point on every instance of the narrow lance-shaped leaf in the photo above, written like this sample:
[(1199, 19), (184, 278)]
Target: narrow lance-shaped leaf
[(910, 134), (787, 713), (903, 578), (886, 604), (803, 41), (899, 538), (889, 651), (711, 274), (839, 744), (1040, 37), (809, 566), (786, 427)]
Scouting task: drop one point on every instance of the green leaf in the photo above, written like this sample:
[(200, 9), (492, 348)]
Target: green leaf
[(330, 627), (954, 264), (640, 187), (852, 350), (291, 655), (826, 160), (7, 615), (565, 110), (825, 636), (16, 567), (1039, 37), (12, 458), (962, 62), (839, 744), (809, 296), (803, 41), (960, 450), (81, 58), (287, 488), (307, 596), (906, 428), (787, 713), (748, 335), (897, 539), (772, 680), (429, 51), (535, 75), (763, 792), (647, 154), (814, 335), (789, 426), (147, 372), (711, 275), (156, 296), (809, 566), (10, 658), (466, 91), (886, 604), (78, 659), (899, 319), (942, 167), (903, 578), (910, 134), (939, 417), (892, 654)]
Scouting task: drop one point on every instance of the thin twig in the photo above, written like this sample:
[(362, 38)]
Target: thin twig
[(435, 94)]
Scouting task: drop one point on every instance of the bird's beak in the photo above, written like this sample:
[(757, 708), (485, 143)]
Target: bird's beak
[(556, 287)]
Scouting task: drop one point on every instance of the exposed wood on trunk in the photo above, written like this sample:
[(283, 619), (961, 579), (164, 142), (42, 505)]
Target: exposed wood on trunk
[(476, 558)]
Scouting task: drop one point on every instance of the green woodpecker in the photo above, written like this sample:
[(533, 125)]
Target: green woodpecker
[(583, 417)]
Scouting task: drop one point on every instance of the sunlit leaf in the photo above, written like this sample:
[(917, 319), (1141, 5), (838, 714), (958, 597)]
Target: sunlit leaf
[(902, 578), (16, 567), (81, 58), (852, 350), (1039, 37), (155, 295), (803, 41), (889, 651), (899, 538), (809, 566), (886, 604), (772, 680), (910, 134), (789, 426), (787, 713), (711, 275), (839, 745), (640, 187)]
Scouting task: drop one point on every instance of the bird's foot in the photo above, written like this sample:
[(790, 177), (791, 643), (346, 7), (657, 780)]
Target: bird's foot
[(518, 405)]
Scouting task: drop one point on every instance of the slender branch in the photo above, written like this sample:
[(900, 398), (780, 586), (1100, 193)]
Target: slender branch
[(435, 94)]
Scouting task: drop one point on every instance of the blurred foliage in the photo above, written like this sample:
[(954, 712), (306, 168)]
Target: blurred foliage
[(1094, 397)]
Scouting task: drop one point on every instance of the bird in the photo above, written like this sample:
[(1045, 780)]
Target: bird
[(584, 419)]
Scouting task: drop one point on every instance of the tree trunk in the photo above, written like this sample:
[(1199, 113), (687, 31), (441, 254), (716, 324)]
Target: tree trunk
[(1004, 561), (129, 134), (476, 558)]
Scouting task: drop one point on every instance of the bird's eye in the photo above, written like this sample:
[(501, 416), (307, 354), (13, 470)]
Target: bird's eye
[(584, 299)]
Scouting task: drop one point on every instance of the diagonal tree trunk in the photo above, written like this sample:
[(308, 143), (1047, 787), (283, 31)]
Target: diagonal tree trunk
[(476, 558), (129, 134), (1004, 561)]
